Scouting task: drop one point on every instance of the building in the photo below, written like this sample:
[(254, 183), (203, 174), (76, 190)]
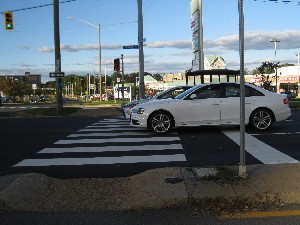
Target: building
[(214, 62), (287, 79), (28, 78)]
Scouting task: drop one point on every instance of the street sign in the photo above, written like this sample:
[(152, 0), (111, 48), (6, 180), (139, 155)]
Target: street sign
[(57, 74), (131, 47)]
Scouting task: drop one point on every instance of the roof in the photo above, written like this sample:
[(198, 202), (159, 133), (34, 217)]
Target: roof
[(149, 78)]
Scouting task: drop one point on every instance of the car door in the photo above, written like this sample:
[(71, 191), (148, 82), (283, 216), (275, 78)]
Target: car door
[(230, 106), (201, 107)]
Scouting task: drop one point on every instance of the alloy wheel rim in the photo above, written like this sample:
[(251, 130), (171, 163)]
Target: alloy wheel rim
[(262, 120), (161, 123)]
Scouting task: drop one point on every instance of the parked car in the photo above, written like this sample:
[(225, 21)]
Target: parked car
[(169, 93), (290, 95), (213, 104)]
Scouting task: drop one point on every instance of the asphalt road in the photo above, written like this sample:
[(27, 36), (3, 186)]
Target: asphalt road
[(144, 217), (68, 147)]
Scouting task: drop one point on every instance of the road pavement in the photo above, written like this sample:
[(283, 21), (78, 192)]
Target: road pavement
[(275, 184)]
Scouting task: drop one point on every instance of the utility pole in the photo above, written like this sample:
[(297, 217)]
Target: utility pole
[(59, 102), (141, 50)]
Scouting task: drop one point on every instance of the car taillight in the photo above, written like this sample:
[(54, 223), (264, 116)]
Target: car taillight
[(285, 101)]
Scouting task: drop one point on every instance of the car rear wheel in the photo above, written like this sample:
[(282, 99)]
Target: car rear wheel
[(161, 122), (261, 119)]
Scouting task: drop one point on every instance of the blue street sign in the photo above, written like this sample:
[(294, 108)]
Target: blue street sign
[(131, 47)]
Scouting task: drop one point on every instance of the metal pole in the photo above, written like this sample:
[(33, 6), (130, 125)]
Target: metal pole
[(122, 80), (242, 166), (105, 84), (59, 102), (141, 50)]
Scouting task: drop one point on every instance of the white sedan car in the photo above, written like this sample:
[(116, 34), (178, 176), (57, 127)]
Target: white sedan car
[(169, 93), (213, 104)]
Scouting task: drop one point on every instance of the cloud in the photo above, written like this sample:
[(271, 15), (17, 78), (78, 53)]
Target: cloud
[(84, 47), (24, 65), (256, 40), (181, 44), (45, 49), (25, 47)]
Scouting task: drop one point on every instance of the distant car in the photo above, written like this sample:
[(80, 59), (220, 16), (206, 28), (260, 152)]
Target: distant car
[(213, 104), (42, 98), (290, 95), (33, 100), (169, 93)]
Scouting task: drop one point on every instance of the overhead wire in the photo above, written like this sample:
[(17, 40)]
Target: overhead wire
[(39, 6)]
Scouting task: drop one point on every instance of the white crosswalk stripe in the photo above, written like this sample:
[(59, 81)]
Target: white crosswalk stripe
[(263, 152), (110, 136)]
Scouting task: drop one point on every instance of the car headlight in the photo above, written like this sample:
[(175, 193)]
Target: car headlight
[(138, 110)]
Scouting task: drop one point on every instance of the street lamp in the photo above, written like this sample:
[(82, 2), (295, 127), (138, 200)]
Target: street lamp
[(275, 40), (99, 47)]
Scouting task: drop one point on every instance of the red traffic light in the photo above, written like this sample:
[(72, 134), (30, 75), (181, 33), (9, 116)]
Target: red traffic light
[(117, 64)]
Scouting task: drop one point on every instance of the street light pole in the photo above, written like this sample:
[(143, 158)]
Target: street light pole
[(275, 40), (99, 48)]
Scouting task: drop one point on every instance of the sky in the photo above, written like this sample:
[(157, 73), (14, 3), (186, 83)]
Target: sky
[(167, 30)]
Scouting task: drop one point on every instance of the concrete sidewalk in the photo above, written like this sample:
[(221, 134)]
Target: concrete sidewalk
[(153, 189)]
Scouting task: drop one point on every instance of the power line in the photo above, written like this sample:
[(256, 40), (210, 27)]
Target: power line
[(280, 1), (39, 6)]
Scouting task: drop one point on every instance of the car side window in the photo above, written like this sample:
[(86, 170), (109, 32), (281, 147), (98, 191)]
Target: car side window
[(208, 91), (232, 90), (252, 92)]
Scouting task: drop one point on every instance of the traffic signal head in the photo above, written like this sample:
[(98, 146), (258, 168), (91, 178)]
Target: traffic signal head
[(8, 20), (117, 64)]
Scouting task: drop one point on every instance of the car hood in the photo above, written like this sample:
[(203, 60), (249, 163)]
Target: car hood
[(156, 102)]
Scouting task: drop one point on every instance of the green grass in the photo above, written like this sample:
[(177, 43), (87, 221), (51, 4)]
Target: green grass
[(294, 104), (50, 111)]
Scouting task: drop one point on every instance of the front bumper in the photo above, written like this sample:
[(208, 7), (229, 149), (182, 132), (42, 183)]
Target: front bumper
[(138, 120)]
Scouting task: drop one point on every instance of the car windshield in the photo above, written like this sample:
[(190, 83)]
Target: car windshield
[(187, 92)]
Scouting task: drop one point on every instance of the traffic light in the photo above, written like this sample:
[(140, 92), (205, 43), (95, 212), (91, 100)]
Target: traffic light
[(8, 20), (117, 64)]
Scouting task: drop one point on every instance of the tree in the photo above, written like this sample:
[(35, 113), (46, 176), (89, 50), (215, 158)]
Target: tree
[(264, 71)]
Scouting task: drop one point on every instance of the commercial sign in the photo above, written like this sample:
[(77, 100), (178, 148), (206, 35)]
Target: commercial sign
[(197, 34)]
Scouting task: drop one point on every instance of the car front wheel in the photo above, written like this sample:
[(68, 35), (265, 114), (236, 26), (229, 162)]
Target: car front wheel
[(261, 119), (161, 122)]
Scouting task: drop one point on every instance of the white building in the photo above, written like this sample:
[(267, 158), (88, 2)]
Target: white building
[(287, 79)]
